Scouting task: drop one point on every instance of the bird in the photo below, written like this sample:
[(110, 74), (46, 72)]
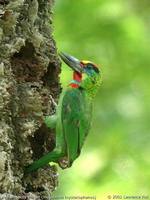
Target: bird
[(72, 120)]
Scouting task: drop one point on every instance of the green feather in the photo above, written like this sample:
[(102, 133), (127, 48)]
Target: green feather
[(76, 111), (52, 156)]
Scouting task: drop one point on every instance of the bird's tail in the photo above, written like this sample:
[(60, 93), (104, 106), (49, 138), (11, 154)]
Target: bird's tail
[(53, 156)]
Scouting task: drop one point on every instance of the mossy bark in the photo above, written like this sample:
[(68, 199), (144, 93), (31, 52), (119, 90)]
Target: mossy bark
[(29, 84)]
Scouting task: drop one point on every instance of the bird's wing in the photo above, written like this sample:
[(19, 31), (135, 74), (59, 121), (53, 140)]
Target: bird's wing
[(75, 121)]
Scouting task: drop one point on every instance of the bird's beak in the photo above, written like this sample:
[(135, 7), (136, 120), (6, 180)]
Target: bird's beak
[(72, 62)]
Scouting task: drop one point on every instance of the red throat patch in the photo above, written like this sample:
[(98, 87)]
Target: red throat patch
[(77, 77)]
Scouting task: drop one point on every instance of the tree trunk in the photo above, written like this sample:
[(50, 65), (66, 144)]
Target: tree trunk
[(29, 84)]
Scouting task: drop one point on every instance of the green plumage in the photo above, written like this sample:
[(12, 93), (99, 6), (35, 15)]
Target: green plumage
[(76, 118)]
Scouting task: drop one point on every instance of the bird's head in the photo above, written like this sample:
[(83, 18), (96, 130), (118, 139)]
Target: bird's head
[(92, 80), (83, 66)]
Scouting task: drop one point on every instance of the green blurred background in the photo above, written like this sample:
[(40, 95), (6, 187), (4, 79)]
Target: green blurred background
[(115, 34)]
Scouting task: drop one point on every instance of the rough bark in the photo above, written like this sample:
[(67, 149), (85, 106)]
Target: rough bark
[(29, 84)]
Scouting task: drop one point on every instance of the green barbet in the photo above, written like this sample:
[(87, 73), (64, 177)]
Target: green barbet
[(73, 115)]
